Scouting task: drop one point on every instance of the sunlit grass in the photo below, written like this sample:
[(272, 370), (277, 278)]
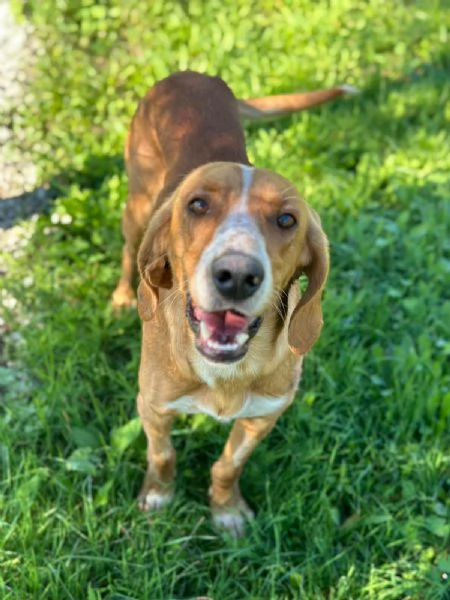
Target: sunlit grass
[(352, 488)]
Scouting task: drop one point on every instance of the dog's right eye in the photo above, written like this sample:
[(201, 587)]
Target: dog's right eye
[(198, 206)]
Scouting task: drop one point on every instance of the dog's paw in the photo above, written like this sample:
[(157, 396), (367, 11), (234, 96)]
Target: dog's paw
[(233, 519), (123, 297), (232, 522), (154, 500)]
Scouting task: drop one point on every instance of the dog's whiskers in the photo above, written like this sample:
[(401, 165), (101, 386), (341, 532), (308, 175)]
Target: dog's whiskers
[(275, 304), (174, 294), (171, 297)]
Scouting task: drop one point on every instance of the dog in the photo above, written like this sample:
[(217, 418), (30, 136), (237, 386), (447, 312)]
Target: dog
[(222, 246)]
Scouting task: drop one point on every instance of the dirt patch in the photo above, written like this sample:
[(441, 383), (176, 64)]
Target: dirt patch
[(19, 201)]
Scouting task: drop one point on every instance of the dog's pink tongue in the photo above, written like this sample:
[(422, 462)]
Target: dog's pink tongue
[(226, 322), (235, 322)]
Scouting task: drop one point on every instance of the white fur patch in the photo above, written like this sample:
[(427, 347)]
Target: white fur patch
[(233, 522), (349, 89), (155, 501), (247, 178), (189, 405), (210, 372), (240, 453), (254, 406), (261, 406)]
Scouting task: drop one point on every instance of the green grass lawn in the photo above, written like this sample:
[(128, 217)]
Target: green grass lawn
[(352, 488)]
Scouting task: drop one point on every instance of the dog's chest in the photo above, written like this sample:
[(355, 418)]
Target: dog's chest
[(249, 406)]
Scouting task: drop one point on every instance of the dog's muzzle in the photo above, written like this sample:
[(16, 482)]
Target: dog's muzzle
[(221, 336)]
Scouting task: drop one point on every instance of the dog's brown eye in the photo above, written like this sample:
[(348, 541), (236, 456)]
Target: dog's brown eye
[(198, 206), (286, 221)]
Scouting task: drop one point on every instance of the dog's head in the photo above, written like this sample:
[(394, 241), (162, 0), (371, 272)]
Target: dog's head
[(233, 239)]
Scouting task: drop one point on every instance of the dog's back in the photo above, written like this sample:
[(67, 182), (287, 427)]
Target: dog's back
[(183, 122)]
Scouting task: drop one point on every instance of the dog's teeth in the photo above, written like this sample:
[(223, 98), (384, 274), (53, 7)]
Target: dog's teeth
[(205, 333), (222, 347), (241, 338)]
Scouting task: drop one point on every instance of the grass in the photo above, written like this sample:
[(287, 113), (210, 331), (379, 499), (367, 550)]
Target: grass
[(352, 488)]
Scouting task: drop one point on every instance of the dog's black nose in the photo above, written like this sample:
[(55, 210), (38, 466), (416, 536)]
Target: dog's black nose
[(237, 276)]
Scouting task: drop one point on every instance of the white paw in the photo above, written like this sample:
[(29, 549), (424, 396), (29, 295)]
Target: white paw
[(122, 299), (233, 521), (349, 89), (155, 501)]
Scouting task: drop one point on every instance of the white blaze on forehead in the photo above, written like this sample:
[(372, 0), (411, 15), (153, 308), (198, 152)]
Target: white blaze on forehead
[(247, 180)]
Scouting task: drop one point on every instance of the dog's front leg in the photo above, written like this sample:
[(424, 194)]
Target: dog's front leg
[(229, 508), (123, 296), (157, 489)]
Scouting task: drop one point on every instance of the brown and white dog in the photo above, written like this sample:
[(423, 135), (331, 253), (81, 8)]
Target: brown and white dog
[(225, 327)]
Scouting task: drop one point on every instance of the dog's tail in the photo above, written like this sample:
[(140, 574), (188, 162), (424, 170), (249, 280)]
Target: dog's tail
[(269, 107)]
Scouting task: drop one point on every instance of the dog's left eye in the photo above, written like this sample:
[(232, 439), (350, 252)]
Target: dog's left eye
[(286, 221), (198, 206)]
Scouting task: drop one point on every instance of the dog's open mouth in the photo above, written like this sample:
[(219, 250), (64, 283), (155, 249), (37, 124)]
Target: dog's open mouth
[(221, 336)]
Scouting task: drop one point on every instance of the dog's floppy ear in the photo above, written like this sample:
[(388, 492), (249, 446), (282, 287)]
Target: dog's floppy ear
[(306, 320), (153, 261)]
